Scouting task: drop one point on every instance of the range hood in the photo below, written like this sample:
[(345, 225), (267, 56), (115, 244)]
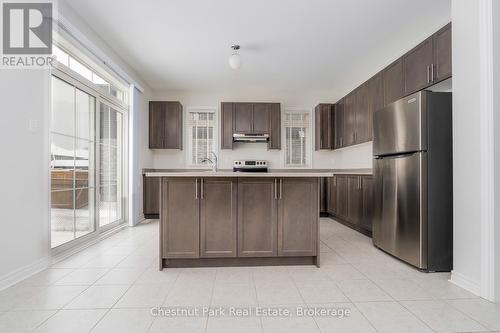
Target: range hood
[(250, 137)]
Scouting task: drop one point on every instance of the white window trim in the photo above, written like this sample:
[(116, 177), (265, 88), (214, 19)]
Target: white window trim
[(187, 135), (309, 136)]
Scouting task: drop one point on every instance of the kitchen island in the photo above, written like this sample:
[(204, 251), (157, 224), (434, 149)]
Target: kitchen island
[(227, 218)]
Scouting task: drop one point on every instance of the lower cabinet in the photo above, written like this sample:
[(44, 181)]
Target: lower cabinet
[(257, 217), (151, 197), (218, 209), (245, 217), (297, 217), (368, 200), (350, 198), (180, 218)]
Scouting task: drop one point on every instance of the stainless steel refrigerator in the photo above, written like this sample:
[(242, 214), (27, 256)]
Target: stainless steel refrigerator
[(412, 166)]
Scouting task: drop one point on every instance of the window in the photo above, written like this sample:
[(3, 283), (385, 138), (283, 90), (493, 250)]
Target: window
[(201, 132), (79, 67), (296, 138)]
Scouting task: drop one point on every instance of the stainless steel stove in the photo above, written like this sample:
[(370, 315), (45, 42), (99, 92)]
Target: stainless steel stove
[(250, 166)]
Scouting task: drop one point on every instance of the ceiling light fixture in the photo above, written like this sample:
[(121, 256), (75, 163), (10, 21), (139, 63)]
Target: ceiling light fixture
[(234, 59)]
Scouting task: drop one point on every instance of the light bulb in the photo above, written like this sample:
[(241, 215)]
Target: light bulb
[(235, 61)]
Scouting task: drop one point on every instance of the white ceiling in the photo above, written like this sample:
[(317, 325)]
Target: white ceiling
[(287, 45)]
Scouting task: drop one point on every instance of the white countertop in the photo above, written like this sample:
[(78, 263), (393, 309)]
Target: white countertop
[(310, 173)]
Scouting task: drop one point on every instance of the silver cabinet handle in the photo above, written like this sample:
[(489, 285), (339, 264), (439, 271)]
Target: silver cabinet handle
[(275, 188), (432, 72), (196, 188), (281, 188), (428, 74), (201, 187)]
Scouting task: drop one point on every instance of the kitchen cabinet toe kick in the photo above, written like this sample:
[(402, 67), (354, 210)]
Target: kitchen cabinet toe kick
[(227, 221)]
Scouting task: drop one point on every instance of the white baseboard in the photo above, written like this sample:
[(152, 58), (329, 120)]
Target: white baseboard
[(466, 283), (22, 273), (25, 272)]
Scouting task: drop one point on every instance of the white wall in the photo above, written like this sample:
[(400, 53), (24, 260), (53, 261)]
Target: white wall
[(475, 153), (496, 105), (359, 156), (24, 211)]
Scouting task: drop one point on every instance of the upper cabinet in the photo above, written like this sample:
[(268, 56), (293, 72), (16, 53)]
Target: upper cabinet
[(250, 118), (393, 82), (417, 67), (165, 125), (352, 118), (442, 53), (324, 127), (429, 62)]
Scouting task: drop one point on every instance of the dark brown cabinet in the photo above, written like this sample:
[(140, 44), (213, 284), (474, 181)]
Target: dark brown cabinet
[(442, 53), (417, 65), (375, 97), (297, 217), (275, 126), (332, 195), (227, 125), (250, 118), (349, 134), (342, 189), (324, 127), (322, 195), (218, 219), (362, 118), (354, 203), (368, 202), (151, 197), (393, 82), (180, 218), (339, 124), (350, 198), (257, 217), (165, 125)]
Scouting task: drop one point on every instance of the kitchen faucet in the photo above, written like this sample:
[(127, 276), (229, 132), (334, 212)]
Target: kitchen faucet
[(214, 161)]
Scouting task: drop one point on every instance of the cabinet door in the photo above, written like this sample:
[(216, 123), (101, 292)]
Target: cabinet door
[(180, 218), (298, 215), (362, 132), (227, 125), (156, 125), (393, 83), (322, 195), (442, 53), (242, 117), (375, 100), (151, 196), (417, 67), (332, 195), (218, 219), (339, 124), (349, 120), (368, 202), (323, 127), (257, 217), (275, 127), (342, 196), (260, 118), (354, 200), (173, 123)]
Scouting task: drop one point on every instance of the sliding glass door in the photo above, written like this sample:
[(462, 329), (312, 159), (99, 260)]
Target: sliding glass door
[(86, 164), (72, 164)]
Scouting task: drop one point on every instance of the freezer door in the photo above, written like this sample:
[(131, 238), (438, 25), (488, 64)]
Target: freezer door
[(400, 127), (400, 222)]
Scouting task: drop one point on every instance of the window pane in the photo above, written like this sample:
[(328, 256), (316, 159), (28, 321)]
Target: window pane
[(62, 163), (102, 84), (80, 68), (60, 55), (84, 112), (84, 162), (63, 107), (62, 217), (83, 212)]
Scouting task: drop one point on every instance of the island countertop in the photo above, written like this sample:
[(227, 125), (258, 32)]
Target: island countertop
[(272, 173)]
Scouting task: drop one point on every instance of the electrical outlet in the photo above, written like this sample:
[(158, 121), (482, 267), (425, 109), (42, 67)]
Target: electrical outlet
[(33, 125)]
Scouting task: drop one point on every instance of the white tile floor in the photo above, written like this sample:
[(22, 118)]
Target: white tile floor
[(111, 286)]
